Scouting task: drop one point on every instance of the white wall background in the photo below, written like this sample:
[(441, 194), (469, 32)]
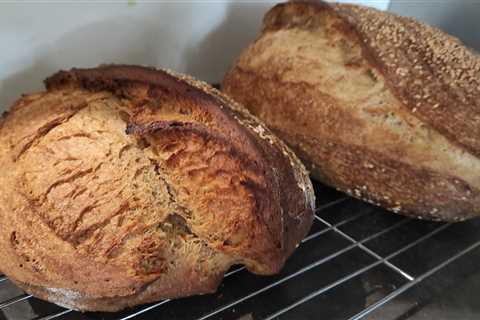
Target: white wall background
[(197, 37), (458, 17)]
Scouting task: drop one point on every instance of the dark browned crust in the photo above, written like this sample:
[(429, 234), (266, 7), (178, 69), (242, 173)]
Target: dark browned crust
[(441, 85), (422, 193), (283, 206), (416, 191), (152, 292), (295, 212), (435, 76)]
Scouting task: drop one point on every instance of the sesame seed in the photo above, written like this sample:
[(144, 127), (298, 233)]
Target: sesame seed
[(396, 209), (422, 62)]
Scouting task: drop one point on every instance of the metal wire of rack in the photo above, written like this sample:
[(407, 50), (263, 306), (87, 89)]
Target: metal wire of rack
[(350, 243)]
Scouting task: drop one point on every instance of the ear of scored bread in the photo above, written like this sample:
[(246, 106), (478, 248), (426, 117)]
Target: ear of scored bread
[(126, 185), (380, 106)]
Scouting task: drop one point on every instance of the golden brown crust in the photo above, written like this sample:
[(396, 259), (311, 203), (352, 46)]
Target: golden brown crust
[(148, 183), (414, 189), (431, 72), (340, 85), (155, 291)]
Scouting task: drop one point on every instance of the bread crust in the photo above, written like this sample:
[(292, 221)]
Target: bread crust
[(162, 134), (379, 106)]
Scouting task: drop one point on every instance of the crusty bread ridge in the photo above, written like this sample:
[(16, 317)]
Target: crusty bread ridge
[(379, 106), (124, 185)]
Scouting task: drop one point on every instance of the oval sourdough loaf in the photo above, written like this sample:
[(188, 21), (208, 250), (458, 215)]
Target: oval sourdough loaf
[(122, 185), (379, 106)]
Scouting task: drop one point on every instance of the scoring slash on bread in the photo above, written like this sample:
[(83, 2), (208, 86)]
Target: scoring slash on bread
[(379, 106), (123, 185)]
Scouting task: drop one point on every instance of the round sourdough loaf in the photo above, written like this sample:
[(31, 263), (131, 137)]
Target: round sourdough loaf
[(379, 106), (122, 185)]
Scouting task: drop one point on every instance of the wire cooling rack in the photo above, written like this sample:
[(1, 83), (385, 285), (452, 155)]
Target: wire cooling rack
[(357, 262)]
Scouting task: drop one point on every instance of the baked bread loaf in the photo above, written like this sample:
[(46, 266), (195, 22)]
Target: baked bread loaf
[(123, 185), (382, 107)]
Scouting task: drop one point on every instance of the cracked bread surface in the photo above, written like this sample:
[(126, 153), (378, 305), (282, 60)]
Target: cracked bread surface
[(382, 107), (124, 185)]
